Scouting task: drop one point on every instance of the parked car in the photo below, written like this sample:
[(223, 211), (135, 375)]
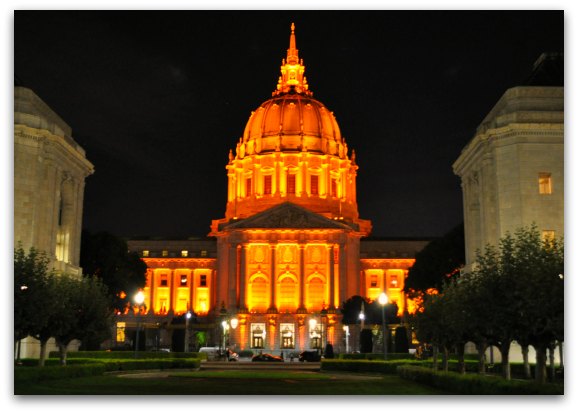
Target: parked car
[(309, 356), (267, 357)]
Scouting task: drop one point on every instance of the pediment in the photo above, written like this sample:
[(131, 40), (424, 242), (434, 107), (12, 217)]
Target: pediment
[(287, 216)]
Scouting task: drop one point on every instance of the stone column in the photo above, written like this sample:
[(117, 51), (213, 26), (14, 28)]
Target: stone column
[(301, 278), (172, 291), (242, 305), (331, 276), (152, 287), (272, 306)]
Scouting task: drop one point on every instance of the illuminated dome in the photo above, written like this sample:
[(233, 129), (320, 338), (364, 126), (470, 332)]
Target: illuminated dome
[(292, 120), (292, 151)]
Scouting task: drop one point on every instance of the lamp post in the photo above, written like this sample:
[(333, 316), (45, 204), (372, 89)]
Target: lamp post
[(383, 301), (187, 318), (227, 325), (362, 322), (138, 299), (346, 330)]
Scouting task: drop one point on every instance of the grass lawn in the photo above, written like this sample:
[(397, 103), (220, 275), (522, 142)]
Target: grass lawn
[(230, 383)]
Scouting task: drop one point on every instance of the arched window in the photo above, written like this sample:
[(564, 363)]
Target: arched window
[(258, 293), (315, 292), (288, 293)]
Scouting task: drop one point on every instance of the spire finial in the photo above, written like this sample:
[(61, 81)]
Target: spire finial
[(292, 78)]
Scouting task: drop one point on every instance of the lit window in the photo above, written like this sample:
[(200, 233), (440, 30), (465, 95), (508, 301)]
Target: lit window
[(248, 187), (314, 185), (393, 281), (145, 253), (120, 331), (164, 280), (548, 235), (291, 183), (373, 281), (267, 185), (545, 183), (203, 281), (184, 253), (183, 280), (165, 253), (203, 253), (287, 332), (258, 335)]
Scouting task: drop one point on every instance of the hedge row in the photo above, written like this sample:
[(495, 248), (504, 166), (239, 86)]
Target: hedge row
[(373, 366), (474, 384), (376, 356), (98, 367), (128, 354)]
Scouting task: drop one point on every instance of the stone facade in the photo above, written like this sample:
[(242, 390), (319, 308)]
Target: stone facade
[(49, 173), (512, 171)]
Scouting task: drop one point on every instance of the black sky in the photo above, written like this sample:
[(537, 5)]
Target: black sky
[(158, 98)]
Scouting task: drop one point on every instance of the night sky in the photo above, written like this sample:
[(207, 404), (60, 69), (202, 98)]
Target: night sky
[(158, 98)]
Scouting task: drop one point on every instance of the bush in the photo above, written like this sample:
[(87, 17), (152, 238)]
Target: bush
[(475, 384), (126, 354), (34, 374), (376, 356)]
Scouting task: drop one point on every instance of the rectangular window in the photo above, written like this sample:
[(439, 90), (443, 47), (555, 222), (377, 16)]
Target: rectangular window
[(203, 281), (257, 335), (203, 253), (165, 253), (287, 332), (548, 235), (164, 280), (291, 183), (314, 185), (183, 280), (333, 187), (267, 185), (393, 281), (145, 253), (184, 253), (545, 183), (248, 187), (373, 281), (120, 331)]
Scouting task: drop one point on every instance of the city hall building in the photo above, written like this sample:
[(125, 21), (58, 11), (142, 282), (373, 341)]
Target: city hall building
[(288, 251)]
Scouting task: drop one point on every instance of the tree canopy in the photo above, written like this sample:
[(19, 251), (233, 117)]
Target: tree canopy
[(106, 256), (440, 259)]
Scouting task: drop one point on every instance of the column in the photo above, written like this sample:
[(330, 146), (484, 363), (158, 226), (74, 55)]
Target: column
[(272, 306), (172, 291), (302, 278), (331, 277), (243, 278), (152, 287), (192, 290)]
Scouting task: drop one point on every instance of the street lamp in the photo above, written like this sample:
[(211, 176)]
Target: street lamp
[(187, 318), (383, 301), (228, 324), (362, 322), (138, 299)]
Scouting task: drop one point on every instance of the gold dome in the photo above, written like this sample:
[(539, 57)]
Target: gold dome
[(292, 120)]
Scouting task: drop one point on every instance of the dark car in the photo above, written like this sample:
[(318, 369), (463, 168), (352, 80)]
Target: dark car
[(267, 357), (309, 356)]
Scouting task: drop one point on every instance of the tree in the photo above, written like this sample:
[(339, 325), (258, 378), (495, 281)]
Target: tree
[(107, 257), (86, 314), (440, 259), (31, 277)]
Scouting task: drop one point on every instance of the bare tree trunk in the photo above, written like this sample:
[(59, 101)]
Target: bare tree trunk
[(481, 347), (527, 371), (505, 352), (540, 364), (461, 362), (552, 364), (561, 353), (43, 345), (445, 358), (435, 353), (63, 353)]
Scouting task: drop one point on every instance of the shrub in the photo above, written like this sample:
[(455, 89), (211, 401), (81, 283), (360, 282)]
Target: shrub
[(33, 374), (473, 383), (376, 356), (126, 354), (366, 366)]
